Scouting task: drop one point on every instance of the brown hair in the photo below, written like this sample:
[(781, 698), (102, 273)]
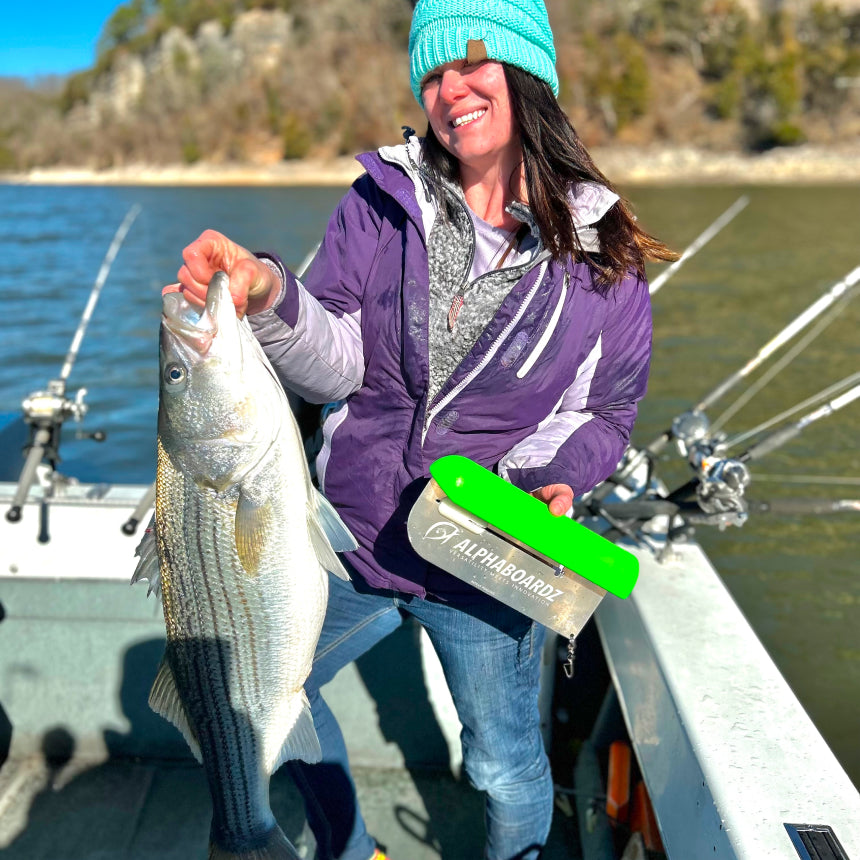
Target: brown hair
[(554, 158)]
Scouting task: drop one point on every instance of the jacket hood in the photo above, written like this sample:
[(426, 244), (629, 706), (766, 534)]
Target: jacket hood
[(398, 171)]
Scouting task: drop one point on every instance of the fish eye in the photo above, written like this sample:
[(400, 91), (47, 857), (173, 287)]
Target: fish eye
[(174, 374)]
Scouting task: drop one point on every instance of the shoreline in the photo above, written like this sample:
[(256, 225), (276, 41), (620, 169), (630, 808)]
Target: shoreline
[(623, 165)]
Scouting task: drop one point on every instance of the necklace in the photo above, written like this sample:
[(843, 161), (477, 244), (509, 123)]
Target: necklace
[(509, 241)]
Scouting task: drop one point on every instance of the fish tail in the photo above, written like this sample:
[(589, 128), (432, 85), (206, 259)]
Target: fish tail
[(276, 847)]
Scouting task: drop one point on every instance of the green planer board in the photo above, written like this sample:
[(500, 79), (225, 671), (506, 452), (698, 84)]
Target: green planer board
[(505, 542)]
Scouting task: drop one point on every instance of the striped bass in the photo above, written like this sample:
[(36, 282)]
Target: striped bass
[(241, 545)]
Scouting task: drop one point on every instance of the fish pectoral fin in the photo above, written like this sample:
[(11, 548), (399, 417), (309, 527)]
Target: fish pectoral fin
[(302, 741), (328, 533), (148, 567), (164, 700), (253, 523), (339, 536)]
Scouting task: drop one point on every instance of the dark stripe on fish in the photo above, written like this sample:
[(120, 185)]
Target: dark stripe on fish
[(226, 756), (249, 733)]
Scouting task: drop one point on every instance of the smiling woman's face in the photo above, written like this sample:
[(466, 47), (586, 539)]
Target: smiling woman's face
[(468, 107)]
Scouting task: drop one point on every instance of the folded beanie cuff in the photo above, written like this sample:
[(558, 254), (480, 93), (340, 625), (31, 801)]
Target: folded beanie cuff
[(440, 39)]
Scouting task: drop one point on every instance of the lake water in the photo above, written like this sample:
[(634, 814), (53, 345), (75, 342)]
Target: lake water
[(797, 578)]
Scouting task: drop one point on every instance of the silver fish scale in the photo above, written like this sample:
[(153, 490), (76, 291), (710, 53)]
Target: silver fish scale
[(229, 648), (204, 648), (243, 544)]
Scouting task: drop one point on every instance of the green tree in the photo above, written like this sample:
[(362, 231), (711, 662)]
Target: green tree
[(772, 88), (830, 54), (76, 91), (127, 23), (632, 87), (296, 136)]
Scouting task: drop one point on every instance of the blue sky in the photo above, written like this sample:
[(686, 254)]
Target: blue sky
[(48, 37)]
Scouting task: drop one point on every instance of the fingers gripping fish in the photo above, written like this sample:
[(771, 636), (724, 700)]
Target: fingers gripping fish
[(240, 549)]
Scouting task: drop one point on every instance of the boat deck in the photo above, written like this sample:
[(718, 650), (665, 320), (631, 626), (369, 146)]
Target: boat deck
[(93, 773), (731, 762), (146, 810)]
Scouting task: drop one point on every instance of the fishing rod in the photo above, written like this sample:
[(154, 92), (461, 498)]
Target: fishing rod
[(625, 518), (306, 263), (779, 437), (110, 256), (693, 426), (720, 481), (804, 507), (45, 411), (794, 327), (726, 218), (826, 393), (645, 510), (715, 495)]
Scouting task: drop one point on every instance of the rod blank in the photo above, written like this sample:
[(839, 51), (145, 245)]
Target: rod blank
[(796, 325), (110, 256), (699, 243)]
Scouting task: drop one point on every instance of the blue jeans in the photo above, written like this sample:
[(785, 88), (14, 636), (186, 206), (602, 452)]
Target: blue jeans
[(491, 659)]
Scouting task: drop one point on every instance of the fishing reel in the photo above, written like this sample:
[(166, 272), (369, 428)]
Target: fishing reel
[(722, 480), (721, 487), (52, 405), (691, 433), (44, 413)]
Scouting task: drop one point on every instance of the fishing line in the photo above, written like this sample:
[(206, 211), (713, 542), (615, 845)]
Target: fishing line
[(805, 507), (808, 479), (810, 401), (780, 365)]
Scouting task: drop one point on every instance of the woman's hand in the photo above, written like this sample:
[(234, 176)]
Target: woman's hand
[(558, 498), (253, 285)]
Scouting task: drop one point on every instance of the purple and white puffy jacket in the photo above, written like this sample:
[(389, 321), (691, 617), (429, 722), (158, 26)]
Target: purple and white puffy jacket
[(547, 394)]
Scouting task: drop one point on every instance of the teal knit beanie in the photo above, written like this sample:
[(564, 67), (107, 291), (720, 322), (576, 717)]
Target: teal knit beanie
[(513, 31)]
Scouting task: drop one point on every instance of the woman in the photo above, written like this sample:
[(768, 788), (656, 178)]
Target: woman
[(479, 291)]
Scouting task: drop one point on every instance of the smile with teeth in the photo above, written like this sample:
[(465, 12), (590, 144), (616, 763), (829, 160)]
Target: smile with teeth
[(469, 117)]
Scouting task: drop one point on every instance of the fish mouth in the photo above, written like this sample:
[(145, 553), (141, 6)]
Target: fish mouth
[(188, 323), (192, 324)]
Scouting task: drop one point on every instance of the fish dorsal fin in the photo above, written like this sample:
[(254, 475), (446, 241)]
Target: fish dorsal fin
[(253, 524), (164, 700), (328, 533), (302, 741), (148, 568)]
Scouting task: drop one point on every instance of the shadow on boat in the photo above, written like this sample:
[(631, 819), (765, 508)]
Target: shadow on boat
[(148, 798)]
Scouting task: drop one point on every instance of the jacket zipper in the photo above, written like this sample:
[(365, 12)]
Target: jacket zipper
[(545, 338), (494, 348)]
